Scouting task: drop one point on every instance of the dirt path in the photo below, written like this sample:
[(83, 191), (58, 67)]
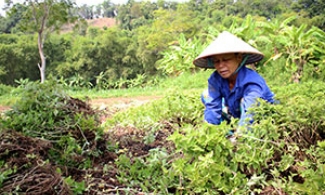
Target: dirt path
[(121, 102), (4, 108), (110, 106), (115, 103)]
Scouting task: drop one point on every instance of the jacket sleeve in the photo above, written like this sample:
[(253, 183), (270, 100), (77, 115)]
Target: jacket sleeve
[(251, 93), (213, 107)]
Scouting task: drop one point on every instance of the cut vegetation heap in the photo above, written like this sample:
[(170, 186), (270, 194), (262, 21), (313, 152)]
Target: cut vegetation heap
[(53, 144)]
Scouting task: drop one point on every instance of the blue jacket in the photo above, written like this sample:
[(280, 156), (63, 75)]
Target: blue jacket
[(249, 86)]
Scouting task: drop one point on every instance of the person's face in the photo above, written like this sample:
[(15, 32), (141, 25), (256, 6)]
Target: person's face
[(226, 64)]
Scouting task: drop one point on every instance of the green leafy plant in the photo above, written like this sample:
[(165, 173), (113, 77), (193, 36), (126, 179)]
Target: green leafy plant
[(281, 150), (5, 172), (77, 187), (149, 173), (178, 58)]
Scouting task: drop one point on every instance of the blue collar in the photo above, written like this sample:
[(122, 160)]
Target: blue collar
[(241, 64)]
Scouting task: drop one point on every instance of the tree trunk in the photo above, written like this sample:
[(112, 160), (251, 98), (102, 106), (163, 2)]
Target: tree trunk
[(298, 74), (43, 59)]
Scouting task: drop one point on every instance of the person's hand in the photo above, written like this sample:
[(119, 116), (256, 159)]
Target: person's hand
[(234, 136), (233, 139)]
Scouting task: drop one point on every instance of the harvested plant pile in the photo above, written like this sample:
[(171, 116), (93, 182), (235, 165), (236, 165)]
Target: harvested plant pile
[(54, 144)]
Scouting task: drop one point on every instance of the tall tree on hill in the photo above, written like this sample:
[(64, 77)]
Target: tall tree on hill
[(109, 9), (314, 10), (43, 17), (135, 14), (9, 22)]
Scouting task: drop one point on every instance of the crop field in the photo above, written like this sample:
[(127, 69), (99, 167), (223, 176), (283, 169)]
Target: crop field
[(52, 143)]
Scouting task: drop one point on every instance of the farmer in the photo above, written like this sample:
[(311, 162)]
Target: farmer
[(232, 87)]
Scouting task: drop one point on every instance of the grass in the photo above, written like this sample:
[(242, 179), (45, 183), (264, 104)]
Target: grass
[(186, 81)]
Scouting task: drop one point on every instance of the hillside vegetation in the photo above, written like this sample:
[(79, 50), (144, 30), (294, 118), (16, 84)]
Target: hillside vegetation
[(101, 23)]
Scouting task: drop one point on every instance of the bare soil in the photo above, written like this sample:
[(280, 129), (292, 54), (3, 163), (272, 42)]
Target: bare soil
[(102, 22), (114, 104), (110, 106), (4, 108), (97, 22), (122, 102)]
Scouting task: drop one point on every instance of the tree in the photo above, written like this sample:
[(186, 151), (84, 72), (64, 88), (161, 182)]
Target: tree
[(109, 10), (124, 17), (86, 12), (111, 54), (135, 14), (152, 39), (313, 7), (9, 23), (43, 17), (314, 10), (17, 52)]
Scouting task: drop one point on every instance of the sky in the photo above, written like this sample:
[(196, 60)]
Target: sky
[(91, 2), (96, 2)]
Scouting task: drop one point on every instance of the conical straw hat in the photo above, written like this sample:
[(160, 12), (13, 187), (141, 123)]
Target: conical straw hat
[(227, 43)]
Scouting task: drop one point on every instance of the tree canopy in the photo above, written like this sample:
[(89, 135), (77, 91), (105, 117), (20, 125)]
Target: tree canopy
[(144, 34)]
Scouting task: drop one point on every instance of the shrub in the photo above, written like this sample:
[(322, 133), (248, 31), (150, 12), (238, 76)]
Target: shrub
[(281, 152)]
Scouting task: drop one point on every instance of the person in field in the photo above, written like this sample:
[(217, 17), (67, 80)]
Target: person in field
[(232, 87)]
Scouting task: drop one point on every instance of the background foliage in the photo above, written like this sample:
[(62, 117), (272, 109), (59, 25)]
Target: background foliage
[(162, 38)]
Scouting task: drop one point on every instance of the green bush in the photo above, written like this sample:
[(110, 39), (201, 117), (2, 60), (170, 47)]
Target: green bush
[(5, 89), (283, 150)]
